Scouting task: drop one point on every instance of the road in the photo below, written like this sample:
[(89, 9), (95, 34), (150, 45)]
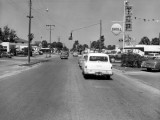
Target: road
[(56, 90)]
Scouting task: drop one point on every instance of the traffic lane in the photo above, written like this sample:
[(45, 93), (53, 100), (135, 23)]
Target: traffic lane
[(117, 98), (149, 78), (33, 94)]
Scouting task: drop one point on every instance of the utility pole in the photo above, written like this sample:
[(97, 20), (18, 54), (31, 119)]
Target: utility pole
[(159, 38), (100, 28), (100, 35), (29, 32), (50, 29)]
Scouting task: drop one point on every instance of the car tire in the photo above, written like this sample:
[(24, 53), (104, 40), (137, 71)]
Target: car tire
[(85, 76), (108, 77), (149, 69)]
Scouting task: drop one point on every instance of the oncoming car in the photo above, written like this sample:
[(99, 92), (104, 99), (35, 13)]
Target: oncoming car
[(64, 55), (75, 54), (97, 64)]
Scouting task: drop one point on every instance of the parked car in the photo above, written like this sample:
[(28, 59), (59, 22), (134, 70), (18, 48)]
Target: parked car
[(75, 54), (81, 60), (64, 55), (97, 64), (115, 55), (152, 55), (151, 64), (6, 54)]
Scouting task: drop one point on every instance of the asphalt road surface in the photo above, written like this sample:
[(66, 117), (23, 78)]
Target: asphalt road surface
[(56, 90)]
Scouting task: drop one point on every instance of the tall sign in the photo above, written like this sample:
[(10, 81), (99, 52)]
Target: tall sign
[(128, 17)]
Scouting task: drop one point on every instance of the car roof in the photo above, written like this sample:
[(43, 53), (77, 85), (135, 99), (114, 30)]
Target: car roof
[(97, 54)]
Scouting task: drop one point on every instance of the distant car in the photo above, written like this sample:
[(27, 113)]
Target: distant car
[(151, 64), (75, 54), (115, 55), (97, 64), (81, 60), (64, 55), (6, 54)]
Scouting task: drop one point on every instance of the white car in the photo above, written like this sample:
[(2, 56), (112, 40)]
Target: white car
[(81, 60), (97, 64)]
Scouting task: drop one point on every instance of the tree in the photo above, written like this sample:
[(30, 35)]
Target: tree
[(94, 45), (59, 46), (44, 44), (84, 46), (80, 48), (155, 41), (75, 45), (7, 34), (12, 35), (54, 45), (111, 47), (145, 41), (65, 48), (1, 34)]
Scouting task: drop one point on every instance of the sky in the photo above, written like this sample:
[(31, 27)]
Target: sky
[(68, 15)]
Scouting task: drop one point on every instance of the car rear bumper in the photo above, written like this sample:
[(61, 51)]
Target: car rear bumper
[(98, 72), (63, 57)]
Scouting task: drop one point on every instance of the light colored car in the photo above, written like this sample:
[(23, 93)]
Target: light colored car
[(97, 64), (152, 55), (75, 54), (6, 54), (151, 64), (81, 60)]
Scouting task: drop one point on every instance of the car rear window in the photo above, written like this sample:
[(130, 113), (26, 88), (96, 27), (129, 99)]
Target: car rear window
[(98, 58)]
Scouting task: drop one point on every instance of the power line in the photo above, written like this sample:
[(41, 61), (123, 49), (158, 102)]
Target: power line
[(85, 27)]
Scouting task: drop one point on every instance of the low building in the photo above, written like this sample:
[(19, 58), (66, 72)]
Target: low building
[(18, 44), (144, 48)]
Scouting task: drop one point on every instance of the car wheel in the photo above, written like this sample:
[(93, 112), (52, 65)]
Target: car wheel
[(85, 76)]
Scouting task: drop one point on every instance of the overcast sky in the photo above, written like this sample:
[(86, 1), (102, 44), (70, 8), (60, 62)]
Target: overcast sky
[(68, 15)]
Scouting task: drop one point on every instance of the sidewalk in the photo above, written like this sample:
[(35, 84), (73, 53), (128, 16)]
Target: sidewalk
[(17, 64)]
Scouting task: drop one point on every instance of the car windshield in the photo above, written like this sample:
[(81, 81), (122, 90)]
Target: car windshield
[(98, 58), (154, 54)]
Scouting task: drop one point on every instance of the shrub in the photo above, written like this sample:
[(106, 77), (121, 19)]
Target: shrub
[(132, 60)]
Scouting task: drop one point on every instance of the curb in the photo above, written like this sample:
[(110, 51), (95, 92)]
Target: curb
[(33, 63)]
